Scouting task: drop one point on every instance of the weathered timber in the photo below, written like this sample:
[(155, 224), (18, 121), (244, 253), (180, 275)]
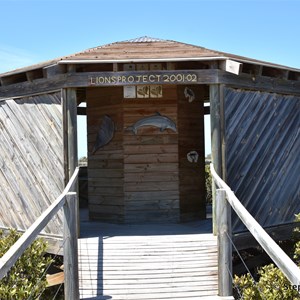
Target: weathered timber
[(71, 283), (280, 258), (11, 256), (106, 175), (261, 83), (223, 213), (70, 113), (158, 152), (212, 76), (175, 263), (70, 80), (262, 131), (55, 279), (31, 177), (216, 98), (191, 138), (54, 70)]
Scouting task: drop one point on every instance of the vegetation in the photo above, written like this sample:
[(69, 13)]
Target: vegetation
[(272, 283), (83, 161), (208, 185), (27, 278)]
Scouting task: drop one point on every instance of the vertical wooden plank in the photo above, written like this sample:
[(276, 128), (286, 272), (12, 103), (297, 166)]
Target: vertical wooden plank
[(65, 134), (216, 104), (223, 214), (222, 129), (215, 94), (190, 127), (71, 248), (105, 166), (70, 129), (70, 137)]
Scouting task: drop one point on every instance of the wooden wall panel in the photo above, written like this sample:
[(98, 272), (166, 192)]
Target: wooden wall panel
[(31, 160), (191, 138), (262, 155), (136, 177), (105, 167), (151, 162)]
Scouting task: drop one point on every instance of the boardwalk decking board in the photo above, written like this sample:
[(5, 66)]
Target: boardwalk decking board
[(143, 262)]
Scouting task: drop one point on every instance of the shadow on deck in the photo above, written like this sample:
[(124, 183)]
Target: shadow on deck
[(147, 261), (96, 229)]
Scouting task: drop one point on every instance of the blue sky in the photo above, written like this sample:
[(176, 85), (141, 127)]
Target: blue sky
[(37, 30)]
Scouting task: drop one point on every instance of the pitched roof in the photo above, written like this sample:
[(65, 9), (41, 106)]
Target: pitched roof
[(145, 49)]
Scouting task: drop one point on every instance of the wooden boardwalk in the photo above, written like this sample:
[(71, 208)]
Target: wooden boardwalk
[(141, 262)]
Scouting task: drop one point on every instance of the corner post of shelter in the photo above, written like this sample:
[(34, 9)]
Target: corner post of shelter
[(216, 94), (223, 211), (70, 131), (71, 272), (69, 100)]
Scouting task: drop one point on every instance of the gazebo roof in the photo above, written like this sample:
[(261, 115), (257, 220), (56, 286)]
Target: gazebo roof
[(145, 49)]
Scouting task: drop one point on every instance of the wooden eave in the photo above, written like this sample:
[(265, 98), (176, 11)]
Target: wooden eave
[(56, 74)]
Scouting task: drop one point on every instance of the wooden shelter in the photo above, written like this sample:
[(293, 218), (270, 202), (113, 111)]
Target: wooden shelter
[(145, 118)]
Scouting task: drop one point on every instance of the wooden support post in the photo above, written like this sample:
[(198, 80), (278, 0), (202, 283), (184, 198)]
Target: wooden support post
[(70, 137), (223, 214), (71, 114), (71, 248), (216, 95)]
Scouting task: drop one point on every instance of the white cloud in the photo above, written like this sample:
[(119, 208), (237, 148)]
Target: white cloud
[(13, 58)]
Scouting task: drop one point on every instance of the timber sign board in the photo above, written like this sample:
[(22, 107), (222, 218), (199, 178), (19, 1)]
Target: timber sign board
[(135, 78)]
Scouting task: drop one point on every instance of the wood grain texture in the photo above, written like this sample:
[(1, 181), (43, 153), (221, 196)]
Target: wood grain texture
[(17, 249), (280, 258), (32, 166), (105, 175), (165, 266), (151, 162), (262, 141), (149, 170), (191, 138)]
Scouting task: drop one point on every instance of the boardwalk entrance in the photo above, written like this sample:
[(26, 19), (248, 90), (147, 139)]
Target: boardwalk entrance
[(139, 262)]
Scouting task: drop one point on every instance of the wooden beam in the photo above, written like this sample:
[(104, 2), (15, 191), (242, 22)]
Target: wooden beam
[(89, 79), (216, 94), (54, 70), (205, 76), (71, 287), (216, 99), (115, 67), (34, 75), (55, 279), (70, 131), (223, 213), (260, 83)]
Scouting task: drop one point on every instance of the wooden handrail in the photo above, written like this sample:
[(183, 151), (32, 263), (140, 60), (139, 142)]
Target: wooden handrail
[(280, 258), (16, 250)]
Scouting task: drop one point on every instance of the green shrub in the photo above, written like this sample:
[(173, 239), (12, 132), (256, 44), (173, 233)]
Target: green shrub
[(272, 283), (26, 279), (208, 185)]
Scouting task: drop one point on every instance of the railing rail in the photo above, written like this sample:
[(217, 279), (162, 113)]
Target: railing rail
[(280, 258), (67, 200)]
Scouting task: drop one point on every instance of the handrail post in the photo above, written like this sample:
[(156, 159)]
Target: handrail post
[(71, 248), (223, 216)]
